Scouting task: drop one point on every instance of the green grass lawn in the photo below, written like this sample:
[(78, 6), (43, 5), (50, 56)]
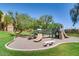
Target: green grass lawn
[(4, 34), (66, 49), (24, 33)]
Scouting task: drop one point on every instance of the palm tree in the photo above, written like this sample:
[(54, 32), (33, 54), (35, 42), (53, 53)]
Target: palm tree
[(74, 13), (1, 13), (1, 24)]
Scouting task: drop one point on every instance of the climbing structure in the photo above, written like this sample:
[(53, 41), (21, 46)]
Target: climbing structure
[(54, 33)]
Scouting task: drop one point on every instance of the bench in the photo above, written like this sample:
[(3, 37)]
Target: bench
[(48, 43)]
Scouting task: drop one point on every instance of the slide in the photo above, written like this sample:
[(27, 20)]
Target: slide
[(39, 38), (63, 35), (66, 36)]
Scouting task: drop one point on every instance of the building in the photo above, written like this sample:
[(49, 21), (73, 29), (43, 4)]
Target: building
[(9, 26)]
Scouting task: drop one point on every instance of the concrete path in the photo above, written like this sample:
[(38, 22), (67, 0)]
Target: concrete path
[(23, 44)]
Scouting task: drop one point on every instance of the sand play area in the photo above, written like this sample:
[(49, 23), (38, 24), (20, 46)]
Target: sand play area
[(23, 44)]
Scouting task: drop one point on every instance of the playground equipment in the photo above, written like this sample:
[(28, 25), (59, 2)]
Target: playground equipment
[(52, 33), (55, 33), (63, 35), (39, 38), (33, 36)]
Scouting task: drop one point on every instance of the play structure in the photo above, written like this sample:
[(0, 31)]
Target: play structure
[(63, 35), (58, 33), (39, 38)]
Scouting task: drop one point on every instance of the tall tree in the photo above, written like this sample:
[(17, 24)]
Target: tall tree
[(46, 19), (1, 13), (74, 13), (1, 24), (22, 22)]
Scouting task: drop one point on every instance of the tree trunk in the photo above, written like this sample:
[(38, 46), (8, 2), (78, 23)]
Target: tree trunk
[(6, 27)]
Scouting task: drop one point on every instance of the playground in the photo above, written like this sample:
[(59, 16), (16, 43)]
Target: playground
[(22, 34), (23, 44), (39, 40)]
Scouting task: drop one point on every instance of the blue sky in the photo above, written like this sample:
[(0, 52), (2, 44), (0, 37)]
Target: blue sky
[(59, 11)]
